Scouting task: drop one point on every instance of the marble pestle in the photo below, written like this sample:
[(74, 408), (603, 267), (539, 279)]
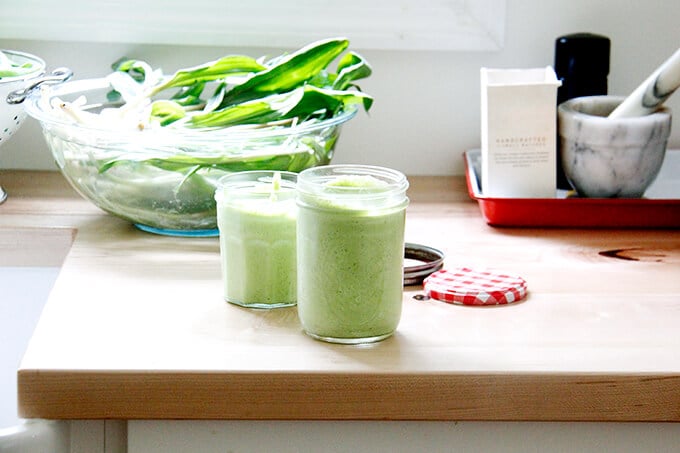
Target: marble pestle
[(653, 92)]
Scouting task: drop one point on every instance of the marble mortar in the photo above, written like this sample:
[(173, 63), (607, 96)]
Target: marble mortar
[(606, 157)]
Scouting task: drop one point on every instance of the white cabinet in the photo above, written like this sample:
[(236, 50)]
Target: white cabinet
[(378, 436), (98, 436)]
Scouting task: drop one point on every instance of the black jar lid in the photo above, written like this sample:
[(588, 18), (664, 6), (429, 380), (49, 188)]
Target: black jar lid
[(582, 54)]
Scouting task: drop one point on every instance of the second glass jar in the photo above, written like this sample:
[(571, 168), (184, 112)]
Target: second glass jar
[(350, 238)]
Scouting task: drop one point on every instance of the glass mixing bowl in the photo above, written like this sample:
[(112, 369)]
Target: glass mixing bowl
[(163, 180)]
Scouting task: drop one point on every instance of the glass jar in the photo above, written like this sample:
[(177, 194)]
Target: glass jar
[(350, 252), (256, 218)]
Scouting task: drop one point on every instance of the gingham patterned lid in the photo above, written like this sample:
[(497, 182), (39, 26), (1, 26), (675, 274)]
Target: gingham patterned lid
[(475, 287)]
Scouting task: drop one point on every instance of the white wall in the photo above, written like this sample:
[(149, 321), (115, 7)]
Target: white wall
[(427, 103)]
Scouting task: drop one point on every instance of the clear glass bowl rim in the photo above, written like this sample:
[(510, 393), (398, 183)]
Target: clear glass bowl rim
[(37, 105)]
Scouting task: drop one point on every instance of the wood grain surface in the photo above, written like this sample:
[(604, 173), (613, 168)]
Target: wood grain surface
[(136, 326)]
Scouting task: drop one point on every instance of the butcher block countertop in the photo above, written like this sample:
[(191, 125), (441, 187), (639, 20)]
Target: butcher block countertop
[(136, 327)]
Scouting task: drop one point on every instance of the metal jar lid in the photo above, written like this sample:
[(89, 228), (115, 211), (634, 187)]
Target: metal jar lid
[(432, 259)]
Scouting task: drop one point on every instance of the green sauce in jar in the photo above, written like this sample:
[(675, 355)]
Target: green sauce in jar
[(350, 252), (256, 215)]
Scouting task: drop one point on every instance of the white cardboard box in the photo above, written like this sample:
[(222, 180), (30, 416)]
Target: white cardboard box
[(519, 122)]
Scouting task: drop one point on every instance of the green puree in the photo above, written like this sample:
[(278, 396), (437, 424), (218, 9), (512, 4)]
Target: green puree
[(257, 238), (353, 263)]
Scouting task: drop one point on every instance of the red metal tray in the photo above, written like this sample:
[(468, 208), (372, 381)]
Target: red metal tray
[(660, 208)]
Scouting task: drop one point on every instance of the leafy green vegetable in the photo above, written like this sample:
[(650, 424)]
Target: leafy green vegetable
[(289, 72), (351, 67), (328, 100), (232, 65), (303, 102), (136, 69), (262, 110), (166, 112), (277, 93), (297, 85), (189, 96)]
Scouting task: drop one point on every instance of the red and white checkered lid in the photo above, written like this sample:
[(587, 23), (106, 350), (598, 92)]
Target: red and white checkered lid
[(475, 287)]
